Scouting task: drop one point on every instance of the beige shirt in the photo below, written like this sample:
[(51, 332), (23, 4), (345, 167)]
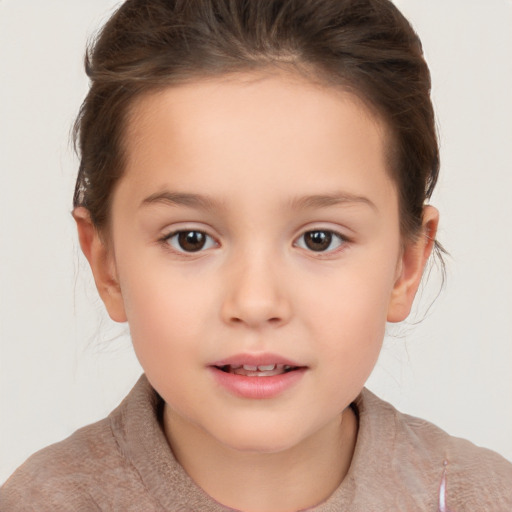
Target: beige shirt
[(123, 463)]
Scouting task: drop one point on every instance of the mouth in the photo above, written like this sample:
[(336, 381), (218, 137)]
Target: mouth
[(247, 370), (257, 376)]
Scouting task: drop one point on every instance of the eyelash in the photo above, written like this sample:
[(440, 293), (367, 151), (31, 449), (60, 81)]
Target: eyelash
[(183, 232), (332, 236), (209, 241)]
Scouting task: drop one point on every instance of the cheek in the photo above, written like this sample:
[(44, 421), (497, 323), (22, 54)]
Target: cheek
[(353, 303), (350, 315), (349, 345), (165, 314), (353, 335)]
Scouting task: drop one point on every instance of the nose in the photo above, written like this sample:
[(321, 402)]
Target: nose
[(256, 294)]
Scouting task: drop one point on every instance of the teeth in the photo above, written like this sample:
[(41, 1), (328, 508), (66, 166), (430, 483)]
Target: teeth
[(250, 370), (254, 368)]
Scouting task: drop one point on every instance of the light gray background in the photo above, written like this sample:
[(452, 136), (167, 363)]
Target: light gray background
[(63, 364)]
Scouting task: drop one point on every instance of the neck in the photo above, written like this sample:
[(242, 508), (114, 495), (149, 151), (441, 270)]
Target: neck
[(293, 479)]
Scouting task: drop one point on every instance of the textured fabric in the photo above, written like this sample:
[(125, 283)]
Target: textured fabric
[(123, 463)]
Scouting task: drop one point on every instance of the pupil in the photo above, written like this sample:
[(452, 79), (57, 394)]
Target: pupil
[(191, 241), (318, 240)]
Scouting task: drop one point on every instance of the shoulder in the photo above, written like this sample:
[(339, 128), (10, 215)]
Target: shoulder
[(62, 471), (466, 477), (90, 470), (473, 478)]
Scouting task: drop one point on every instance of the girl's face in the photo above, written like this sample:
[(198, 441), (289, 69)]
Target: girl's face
[(256, 224)]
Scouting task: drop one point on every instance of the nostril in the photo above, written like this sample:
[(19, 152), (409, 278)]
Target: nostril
[(273, 320), (255, 308)]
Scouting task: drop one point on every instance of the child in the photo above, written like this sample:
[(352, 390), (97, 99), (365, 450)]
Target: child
[(252, 201)]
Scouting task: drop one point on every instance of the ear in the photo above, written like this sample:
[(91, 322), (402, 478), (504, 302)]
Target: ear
[(411, 265), (102, 262)]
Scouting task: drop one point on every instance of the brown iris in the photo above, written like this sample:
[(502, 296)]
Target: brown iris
[(191, 241), (318, 240)]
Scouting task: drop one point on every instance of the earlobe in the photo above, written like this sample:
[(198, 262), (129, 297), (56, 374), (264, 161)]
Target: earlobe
[(412, 263), (102, 264)]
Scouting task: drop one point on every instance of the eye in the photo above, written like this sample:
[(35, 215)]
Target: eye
[(190, 241), (320, 240)]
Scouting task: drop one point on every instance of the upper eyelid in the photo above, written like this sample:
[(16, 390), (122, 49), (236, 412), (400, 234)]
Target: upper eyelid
[(344, 243), (333, 225), (170, 231), (166, 241), (303, 231), (175, 232), (334, 231)]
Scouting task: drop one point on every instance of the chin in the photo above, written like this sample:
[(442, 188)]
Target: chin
[(262, 446), (260, 439)]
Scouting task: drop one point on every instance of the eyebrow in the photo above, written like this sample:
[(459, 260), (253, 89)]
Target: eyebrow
[(299, 203), (181, 199), (327, 200)]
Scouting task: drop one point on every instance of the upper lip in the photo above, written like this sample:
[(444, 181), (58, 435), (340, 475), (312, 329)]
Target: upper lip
[(256, 360)]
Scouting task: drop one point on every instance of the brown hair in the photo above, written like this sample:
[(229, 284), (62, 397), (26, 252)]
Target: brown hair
[(365, 46)]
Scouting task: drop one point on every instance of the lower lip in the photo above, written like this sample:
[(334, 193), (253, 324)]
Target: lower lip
[(257, 387)]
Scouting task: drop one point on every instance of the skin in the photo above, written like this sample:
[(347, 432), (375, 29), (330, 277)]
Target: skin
[(253, 147)]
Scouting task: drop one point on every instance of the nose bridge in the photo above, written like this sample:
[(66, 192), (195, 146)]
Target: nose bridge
[(255, 287)]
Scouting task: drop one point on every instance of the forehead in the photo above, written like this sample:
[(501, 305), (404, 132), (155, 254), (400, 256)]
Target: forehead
[(254, 132)]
